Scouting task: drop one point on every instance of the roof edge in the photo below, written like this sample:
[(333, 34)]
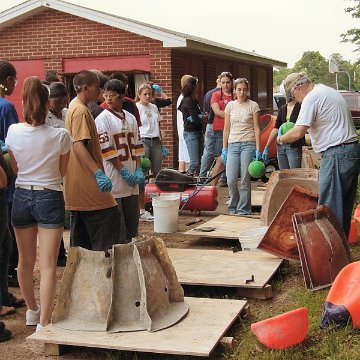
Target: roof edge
[(217, 48), (32, 7), (169, 38)]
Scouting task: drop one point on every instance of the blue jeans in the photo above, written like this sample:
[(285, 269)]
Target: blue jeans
[(289, 157), (239, 157), (44, 208), (209, 151), (218, 142), (338, 177), (194, 142), (153, 152), (5, 244)]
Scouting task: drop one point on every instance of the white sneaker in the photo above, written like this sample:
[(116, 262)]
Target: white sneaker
[(146, 216), (33, 317), (39, 327)]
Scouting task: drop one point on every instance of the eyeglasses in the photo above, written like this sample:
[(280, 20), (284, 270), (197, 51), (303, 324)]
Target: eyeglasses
[(110, 95), (297, 84)]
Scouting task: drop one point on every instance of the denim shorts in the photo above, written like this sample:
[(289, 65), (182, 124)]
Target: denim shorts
[(44, 208)]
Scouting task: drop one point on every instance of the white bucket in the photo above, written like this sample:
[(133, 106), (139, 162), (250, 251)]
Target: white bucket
[(250, 239), (166, 213)]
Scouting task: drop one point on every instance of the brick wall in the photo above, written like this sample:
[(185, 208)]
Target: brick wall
[(52, 35)]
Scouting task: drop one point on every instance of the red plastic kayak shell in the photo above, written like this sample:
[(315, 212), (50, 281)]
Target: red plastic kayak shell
[(282, 331)]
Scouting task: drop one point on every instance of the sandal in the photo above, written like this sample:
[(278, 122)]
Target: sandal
[(7, 310)]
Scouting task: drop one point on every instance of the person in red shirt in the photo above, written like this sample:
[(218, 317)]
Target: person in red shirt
[(219, 100)]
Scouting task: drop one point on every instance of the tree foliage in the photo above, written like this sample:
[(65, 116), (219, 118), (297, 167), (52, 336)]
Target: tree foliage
[(317, 68), (279, 74), (353, 35)]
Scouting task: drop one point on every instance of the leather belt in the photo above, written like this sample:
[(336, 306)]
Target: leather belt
[(151, 138), (33, 187)]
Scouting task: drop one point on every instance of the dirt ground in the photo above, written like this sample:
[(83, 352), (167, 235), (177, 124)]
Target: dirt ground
[(19, 348)]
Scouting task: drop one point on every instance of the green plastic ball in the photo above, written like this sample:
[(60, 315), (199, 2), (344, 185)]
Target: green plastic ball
[(256, 169), (145, 164), (286, 127)]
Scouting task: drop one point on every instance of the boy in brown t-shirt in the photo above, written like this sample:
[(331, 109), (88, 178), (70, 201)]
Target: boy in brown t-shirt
[(94, 214)]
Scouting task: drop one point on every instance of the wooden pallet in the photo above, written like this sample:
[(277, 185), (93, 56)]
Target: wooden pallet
[(225, 226), (197, 334), (247, 271)]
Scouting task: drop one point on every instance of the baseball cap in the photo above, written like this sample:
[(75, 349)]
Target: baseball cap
[(292, 79)]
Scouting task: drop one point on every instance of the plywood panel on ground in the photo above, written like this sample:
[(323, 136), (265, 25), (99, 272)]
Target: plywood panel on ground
[(257, 196), (223, 267), (197, 334), (225, 226)]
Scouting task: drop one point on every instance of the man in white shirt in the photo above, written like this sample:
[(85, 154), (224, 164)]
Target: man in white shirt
[(325, 115)]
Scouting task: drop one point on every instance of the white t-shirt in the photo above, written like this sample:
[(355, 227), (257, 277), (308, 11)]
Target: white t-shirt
[(330, 123), (54, 121), (37, 152), (150, 118), (179, 118), (241, 120), (119, 138)]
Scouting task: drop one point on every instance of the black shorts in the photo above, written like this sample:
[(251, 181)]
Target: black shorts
[(96, 230)]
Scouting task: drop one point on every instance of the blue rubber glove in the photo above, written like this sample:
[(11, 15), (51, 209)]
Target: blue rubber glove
[(265, 154), (103, 182), (164, 150), (224, 154), (140, 177), (4, 148), (128, 176), (157, 88), (257, 154)]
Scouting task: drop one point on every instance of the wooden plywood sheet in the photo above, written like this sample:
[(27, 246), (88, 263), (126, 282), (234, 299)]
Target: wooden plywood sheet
[(197, 334), (225, 226), (223, 268), (257, 197)]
